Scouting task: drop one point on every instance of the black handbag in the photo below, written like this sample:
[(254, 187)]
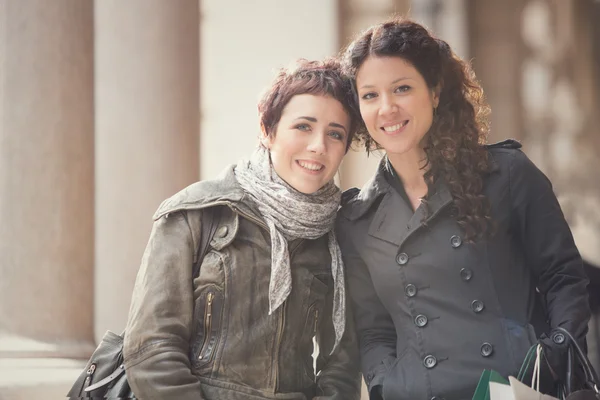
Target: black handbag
[(104, 375), (581, 380)]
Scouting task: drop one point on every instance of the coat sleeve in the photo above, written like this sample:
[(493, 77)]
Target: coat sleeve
[(157, 336), (339, 372), (549, 247), (374, 326)]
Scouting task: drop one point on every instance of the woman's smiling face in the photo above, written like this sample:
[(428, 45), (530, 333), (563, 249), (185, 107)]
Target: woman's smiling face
[(395, 103), (309, 142)]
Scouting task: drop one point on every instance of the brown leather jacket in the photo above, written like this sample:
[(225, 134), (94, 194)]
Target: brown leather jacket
[(221, 321)]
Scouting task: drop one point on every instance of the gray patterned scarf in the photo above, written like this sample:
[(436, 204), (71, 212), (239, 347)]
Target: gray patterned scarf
[(290, 214)]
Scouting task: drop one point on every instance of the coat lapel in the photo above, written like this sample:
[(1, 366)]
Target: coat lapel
[(391, 220), (439, 200), (394, 220)]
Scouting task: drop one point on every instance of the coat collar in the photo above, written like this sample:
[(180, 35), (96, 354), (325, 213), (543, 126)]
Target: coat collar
[(505, 144), (355, 202), (223, 190), (394, 220)]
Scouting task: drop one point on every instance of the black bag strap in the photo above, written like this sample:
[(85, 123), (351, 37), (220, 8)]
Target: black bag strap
[(576, 357), (210, 222)]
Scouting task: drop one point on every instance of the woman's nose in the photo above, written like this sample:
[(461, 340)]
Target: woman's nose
[(387, 105), (317, 143)]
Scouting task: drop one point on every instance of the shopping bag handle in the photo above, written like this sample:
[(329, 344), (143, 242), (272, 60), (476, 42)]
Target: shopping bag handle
[(531, 353)]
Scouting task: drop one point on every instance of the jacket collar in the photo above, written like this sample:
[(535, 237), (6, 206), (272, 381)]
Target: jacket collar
[(505, 144), (223, 190), (394, 220), (356, 203)]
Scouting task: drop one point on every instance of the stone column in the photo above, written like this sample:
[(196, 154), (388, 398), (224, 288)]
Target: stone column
[(46, 178), (147, 119)]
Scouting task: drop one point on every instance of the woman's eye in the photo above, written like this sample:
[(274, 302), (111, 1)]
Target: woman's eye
[(402, 89), (336, 135), (368, 96), (303, 127)]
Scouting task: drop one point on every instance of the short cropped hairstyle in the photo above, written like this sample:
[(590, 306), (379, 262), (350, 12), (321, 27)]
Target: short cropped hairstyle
[(321, 78)]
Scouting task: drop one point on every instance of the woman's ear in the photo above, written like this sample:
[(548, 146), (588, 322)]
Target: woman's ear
[(265, 139), (436, 96)]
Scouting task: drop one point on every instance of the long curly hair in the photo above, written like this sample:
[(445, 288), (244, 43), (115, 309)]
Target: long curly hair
[(454, 144)]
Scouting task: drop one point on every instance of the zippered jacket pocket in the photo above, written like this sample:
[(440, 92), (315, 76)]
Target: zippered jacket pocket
[(207, 323)]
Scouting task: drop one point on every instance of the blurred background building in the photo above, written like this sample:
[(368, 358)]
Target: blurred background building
[(107, 107)]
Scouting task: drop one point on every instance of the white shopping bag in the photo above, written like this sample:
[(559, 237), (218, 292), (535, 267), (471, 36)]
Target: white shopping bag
[(518, 390)]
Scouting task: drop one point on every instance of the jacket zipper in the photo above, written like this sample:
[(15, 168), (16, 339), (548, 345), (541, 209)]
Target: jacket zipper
[(314, 339), (207, 323), (279, 339), (282, 317)]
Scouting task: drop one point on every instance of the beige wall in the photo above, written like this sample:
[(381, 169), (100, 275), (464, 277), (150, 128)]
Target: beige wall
[(241, 51)]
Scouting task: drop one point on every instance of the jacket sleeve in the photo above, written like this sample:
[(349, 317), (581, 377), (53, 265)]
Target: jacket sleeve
[(374, 326), (549, 247), (339, 373), (157, 336)]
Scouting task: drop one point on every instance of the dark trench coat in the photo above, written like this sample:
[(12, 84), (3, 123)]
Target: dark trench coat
[(432, 311)]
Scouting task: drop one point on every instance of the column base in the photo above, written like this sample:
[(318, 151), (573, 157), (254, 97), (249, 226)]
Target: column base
[(14, 346), (37, 378)]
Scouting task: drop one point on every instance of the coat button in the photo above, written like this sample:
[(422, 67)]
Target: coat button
[(487, 349), (558, 338), (420, 320), (466, 274), (477, 306), (402, 258), (455, 241), (222, 231), (429, 361), (410, 290)]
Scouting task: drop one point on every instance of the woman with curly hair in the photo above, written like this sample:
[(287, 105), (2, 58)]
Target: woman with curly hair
[(458, 256)]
